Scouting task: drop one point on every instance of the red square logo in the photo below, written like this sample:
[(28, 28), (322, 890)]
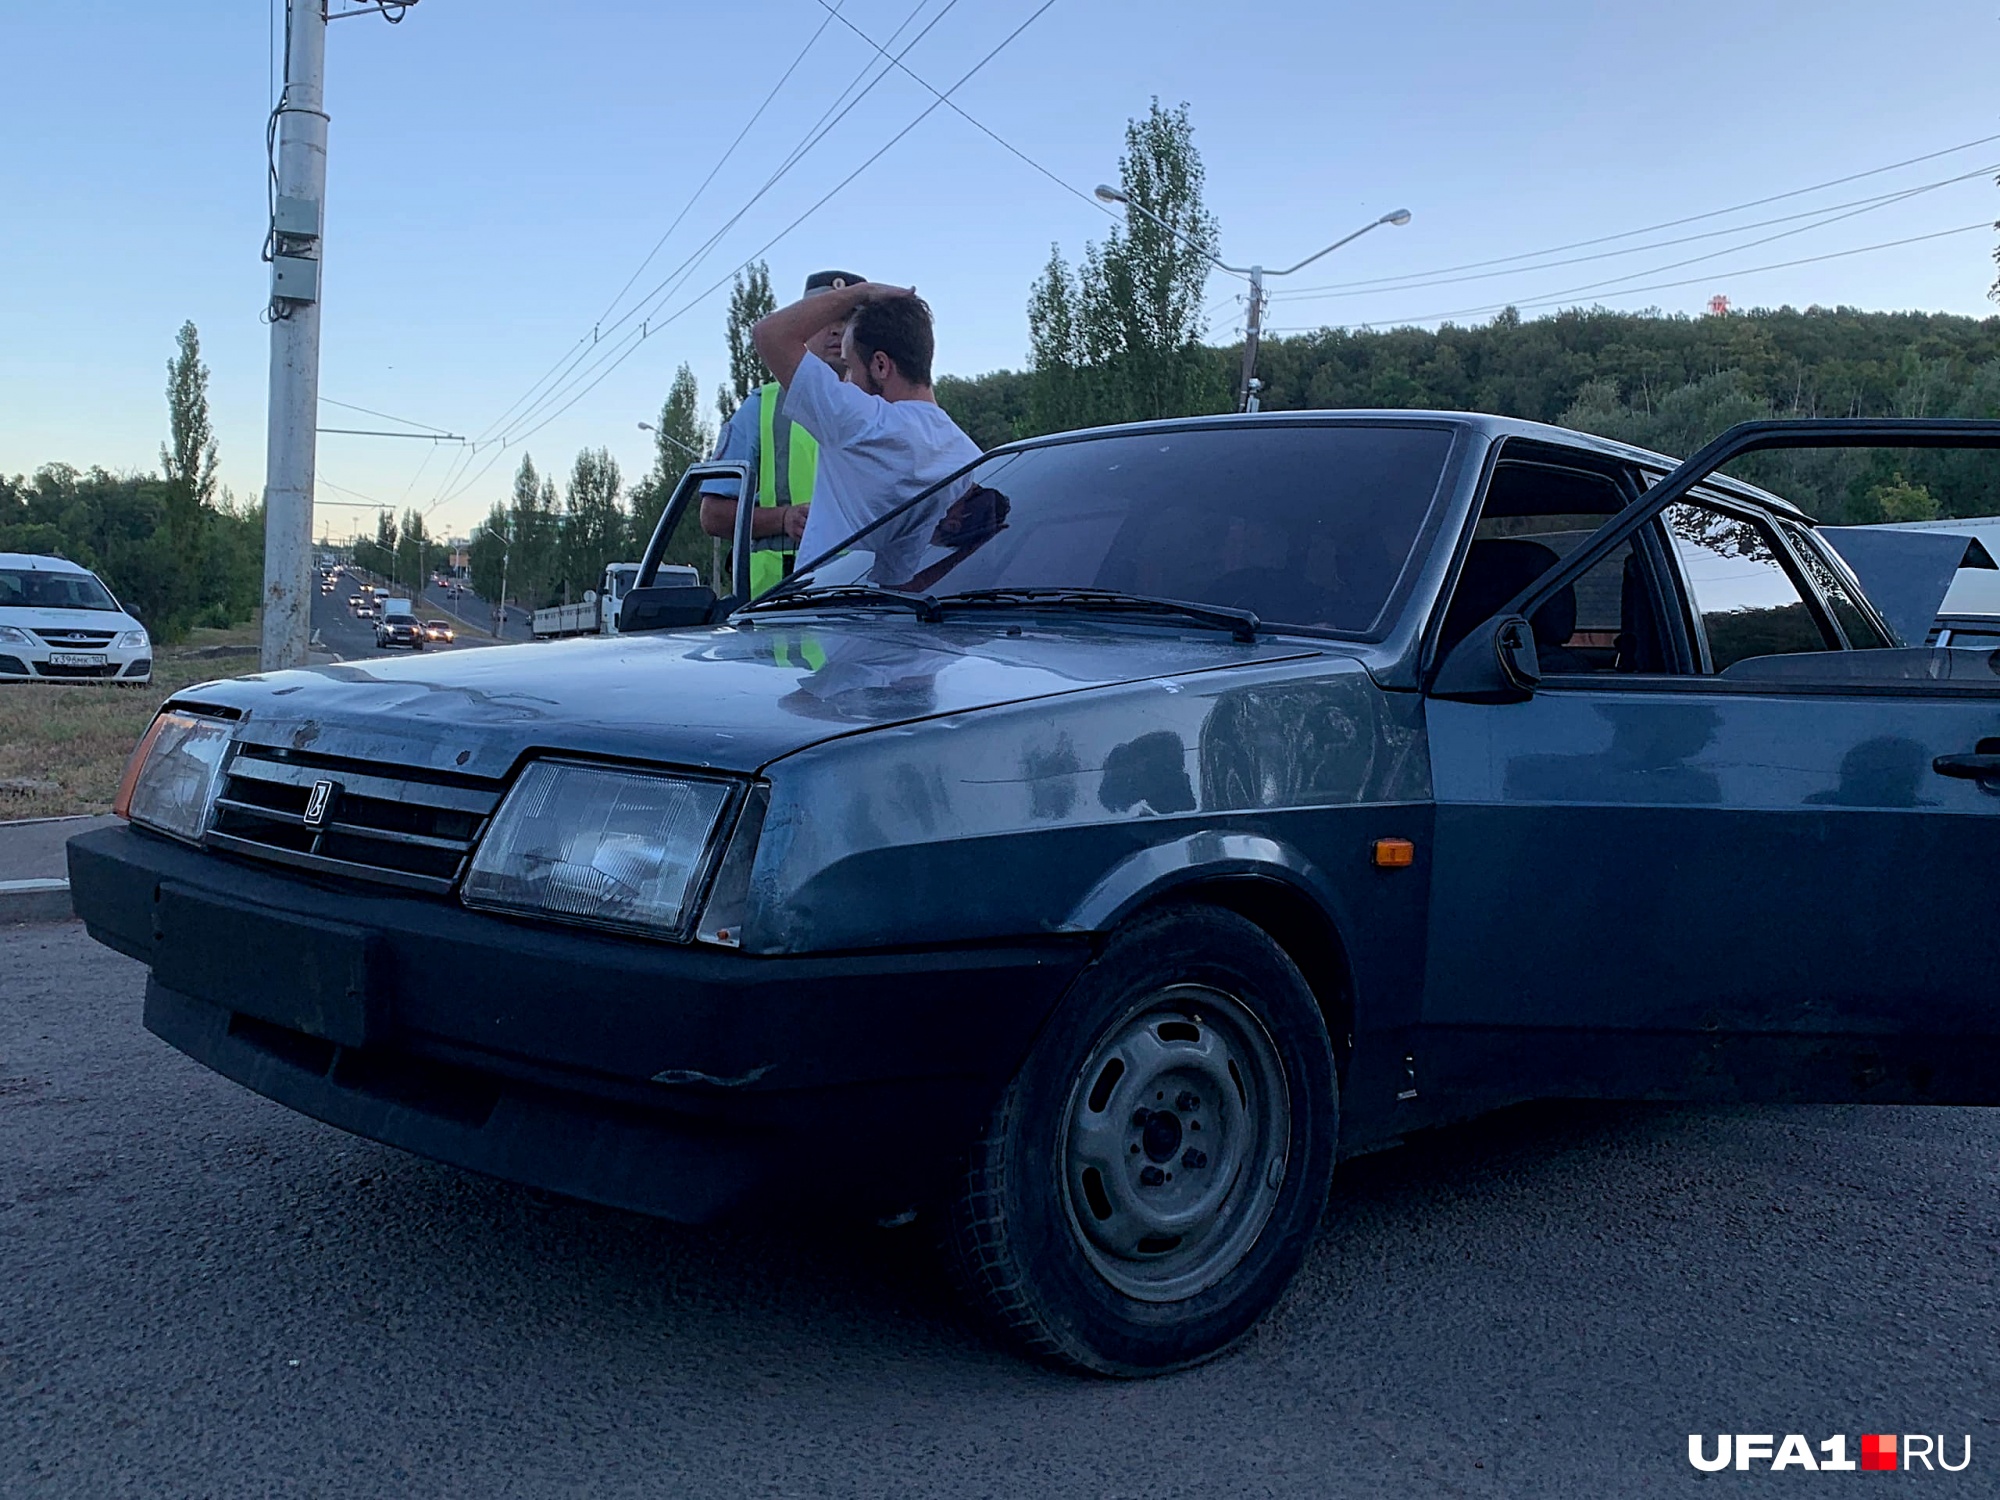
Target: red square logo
[(1878, 1450)]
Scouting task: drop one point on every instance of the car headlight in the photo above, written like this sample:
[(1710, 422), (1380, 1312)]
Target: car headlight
[(132, 640), (9, 636), (171, 779), (590, 844)]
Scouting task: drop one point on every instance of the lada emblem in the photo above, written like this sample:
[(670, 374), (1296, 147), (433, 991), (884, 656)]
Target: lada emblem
[(320, 803)]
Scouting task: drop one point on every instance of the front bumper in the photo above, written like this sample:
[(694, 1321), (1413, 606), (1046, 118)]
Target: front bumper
[(682, 1081), (110, 664)]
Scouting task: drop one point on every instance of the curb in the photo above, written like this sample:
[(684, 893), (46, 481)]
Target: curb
[(35, 901)]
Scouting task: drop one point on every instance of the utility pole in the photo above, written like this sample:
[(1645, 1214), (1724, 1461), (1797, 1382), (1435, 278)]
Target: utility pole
[(1251, 384), (293, 248), (289, 445)]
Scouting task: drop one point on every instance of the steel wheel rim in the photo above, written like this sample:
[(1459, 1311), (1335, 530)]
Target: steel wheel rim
[(1173, 1143)]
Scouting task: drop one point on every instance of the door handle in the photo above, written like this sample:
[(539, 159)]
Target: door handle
[(1969, 767)]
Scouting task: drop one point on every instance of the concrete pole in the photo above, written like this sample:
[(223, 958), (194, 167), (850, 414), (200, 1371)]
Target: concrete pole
[(290, 445), (1248, 401)]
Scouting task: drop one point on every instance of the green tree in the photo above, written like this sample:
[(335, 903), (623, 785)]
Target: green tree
[(750, 298), (188, 459), (536, 575), (418, 553), (1120, 339), (486, 562), (991, 409), (680, 438), (1899, 500), (594, 524), (1055, 349)]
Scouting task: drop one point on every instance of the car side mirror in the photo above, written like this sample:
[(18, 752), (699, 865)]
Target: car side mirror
[(1496, 663), (664, 607)]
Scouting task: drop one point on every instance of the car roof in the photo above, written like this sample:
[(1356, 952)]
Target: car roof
[(1485, 424), (38, 562)]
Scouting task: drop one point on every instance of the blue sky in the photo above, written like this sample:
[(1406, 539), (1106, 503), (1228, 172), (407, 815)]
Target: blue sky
[(500, 169)]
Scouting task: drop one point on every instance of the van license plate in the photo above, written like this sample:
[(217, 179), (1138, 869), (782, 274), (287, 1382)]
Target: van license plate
[(76, 659)]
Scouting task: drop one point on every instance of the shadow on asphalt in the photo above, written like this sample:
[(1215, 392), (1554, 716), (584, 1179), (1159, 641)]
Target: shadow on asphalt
[(825, 1285)]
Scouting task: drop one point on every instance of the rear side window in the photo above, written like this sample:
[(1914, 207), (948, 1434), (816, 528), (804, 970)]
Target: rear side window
[(1746, 601), (1854, 622)]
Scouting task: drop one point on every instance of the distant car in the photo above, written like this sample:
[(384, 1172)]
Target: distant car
[(399, 630), (438, 630), (58, 621), (1967, 632)]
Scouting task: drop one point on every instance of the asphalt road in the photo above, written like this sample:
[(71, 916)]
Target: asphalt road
[(351, 638), (208, 1295)]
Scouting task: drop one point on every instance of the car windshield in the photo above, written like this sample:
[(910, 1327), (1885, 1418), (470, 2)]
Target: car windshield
[(37, 588), (1303, 524)]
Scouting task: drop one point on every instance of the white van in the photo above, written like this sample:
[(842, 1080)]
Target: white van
[(58, 621)]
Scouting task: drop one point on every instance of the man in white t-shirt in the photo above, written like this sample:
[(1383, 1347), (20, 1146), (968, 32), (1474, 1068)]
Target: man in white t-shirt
[(883, 439)]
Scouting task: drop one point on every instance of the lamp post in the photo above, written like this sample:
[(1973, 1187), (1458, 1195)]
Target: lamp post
[(506, 552), (669, 437), (1247, 401)]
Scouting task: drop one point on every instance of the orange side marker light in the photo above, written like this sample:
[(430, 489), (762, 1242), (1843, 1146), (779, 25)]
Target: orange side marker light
[(1394, 854), (121, 805)]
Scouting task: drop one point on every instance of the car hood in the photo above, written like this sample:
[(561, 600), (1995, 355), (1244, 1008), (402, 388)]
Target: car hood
[(29, 618), (733, 698)]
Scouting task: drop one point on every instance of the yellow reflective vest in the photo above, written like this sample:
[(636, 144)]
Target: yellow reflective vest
[(787, 462)]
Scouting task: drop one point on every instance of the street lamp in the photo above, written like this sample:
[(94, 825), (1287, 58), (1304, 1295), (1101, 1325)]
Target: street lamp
[(669, 437), (506, 553), (1251, 385)]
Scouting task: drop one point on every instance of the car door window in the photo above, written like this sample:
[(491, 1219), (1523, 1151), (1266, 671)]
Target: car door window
[(1744, 597), (1533, 516), (1862, 633)]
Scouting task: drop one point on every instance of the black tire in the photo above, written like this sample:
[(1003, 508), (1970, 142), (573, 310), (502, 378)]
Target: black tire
[(1050, 1262)]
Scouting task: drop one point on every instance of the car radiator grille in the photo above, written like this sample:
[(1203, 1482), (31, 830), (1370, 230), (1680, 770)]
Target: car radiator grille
[(89, 640), (413, 831)]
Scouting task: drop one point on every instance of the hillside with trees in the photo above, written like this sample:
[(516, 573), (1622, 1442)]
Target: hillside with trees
[(1667, 383)]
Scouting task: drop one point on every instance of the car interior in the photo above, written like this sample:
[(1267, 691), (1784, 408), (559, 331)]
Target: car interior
[(1709, 587), (1536, 514)]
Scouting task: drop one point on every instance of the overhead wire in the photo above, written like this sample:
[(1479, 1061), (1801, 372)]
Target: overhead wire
[(1553, 299), (1714, 213), (819, 204), (833, 13), (585, 340), (1827, 213), (813, 134), (609, 362), (384, 415)]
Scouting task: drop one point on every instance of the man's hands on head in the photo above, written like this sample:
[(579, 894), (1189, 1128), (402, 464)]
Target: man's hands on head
[(783, 338)]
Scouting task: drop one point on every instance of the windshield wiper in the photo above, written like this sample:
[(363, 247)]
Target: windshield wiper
[(1240, 623), (924, 605)]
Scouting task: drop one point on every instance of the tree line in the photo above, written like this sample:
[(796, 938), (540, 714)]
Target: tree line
[(175, 547)]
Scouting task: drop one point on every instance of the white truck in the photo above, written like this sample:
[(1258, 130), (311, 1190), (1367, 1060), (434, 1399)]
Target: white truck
[(598, 614)]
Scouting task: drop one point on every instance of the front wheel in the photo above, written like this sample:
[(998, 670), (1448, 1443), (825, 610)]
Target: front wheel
[(1149, 1182)]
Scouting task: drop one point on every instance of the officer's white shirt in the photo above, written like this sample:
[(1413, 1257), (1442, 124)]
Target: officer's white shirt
[(873, 456)]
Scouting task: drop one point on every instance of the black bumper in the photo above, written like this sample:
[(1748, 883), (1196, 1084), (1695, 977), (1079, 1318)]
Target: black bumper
[(684, 1081)]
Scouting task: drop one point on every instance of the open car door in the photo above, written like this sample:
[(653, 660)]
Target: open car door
[(1758, 857), (696, 568)]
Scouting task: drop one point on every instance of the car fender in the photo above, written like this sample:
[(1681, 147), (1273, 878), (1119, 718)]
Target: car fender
[(1150, 873)]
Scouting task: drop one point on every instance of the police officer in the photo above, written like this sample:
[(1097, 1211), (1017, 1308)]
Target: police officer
[(782, 455)]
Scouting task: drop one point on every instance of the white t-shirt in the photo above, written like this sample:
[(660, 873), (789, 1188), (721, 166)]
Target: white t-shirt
[(873, 455)]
